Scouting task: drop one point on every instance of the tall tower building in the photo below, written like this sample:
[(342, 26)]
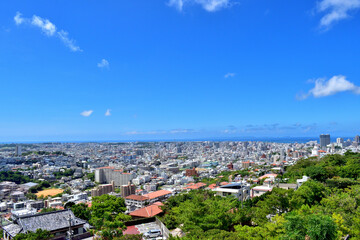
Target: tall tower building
[(324, 140), (357, 139), (18, 150)]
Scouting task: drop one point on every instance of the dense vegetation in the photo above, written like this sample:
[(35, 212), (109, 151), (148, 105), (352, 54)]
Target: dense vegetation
[(324, 208), (16, 177), (106, 214), (65, 173), (41, 186), (44, 153), (38, 235)]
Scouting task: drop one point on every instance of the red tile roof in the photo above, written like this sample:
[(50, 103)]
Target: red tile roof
[(146, 212), (268, 175), (196, 186), (106, 168), (137, 197), (157, 194), (131, 230), (212, 186), (158, 203)]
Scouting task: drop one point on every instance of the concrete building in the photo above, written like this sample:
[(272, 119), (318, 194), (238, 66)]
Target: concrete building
[(324, 140), (103, 189), (108, 174), (260, 190), (127, 190), (191, 172), (238, 190), (18, 150), (357, 139)]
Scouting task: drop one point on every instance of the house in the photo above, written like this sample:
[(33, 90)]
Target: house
[(238, 190), (133, 202), (299, 182), (149, 211), (58, 223), (260, 190), (158, 195)]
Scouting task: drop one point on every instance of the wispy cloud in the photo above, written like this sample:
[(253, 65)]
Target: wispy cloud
[(229, 75), (208, 5), (180, 130), (103, 63), (145, 132), (334, 85), (44, 24), (18, 19), (86, 113), (48, 28), (160, 132), (108, 113), (335, 10), (70, 43)]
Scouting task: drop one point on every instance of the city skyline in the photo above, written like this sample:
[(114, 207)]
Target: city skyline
[(184, 70)]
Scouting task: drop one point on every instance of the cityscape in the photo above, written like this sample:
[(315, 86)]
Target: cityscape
[(48, 179), (179, 120)]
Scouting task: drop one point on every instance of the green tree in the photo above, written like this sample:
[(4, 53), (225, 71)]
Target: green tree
[(82, 211), (107, 216), (38, 235), (317, 227), (46, 210)]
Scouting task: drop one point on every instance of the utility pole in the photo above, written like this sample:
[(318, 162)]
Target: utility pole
[(70, 231)]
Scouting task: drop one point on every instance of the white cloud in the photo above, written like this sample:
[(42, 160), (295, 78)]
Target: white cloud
[(208, 5), (229, 75), (335, 10), (177, 4), (70, 43), (48, 28), (44, 24), (86, 113), (18, 19), (108, 112), (103, 63), (334, 85), (145, 133)]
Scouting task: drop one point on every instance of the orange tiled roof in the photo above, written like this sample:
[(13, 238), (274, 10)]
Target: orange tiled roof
[(137, 197), (212, 186), (157, 194), (158, 203), (268, 175), (146, 212), (196, 186), (106, 167)]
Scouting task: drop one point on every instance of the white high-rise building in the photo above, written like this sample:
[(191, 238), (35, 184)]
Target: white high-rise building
[(339, 140)]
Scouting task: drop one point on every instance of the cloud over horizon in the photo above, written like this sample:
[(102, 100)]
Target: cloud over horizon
[(334, 85), (207, 5), (48, 28)]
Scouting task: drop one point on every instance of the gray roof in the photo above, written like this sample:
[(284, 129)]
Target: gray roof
[(12, 229), (29, 185), (47, 221)]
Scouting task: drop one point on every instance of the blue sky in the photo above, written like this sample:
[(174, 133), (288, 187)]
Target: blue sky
[(178, 69)]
